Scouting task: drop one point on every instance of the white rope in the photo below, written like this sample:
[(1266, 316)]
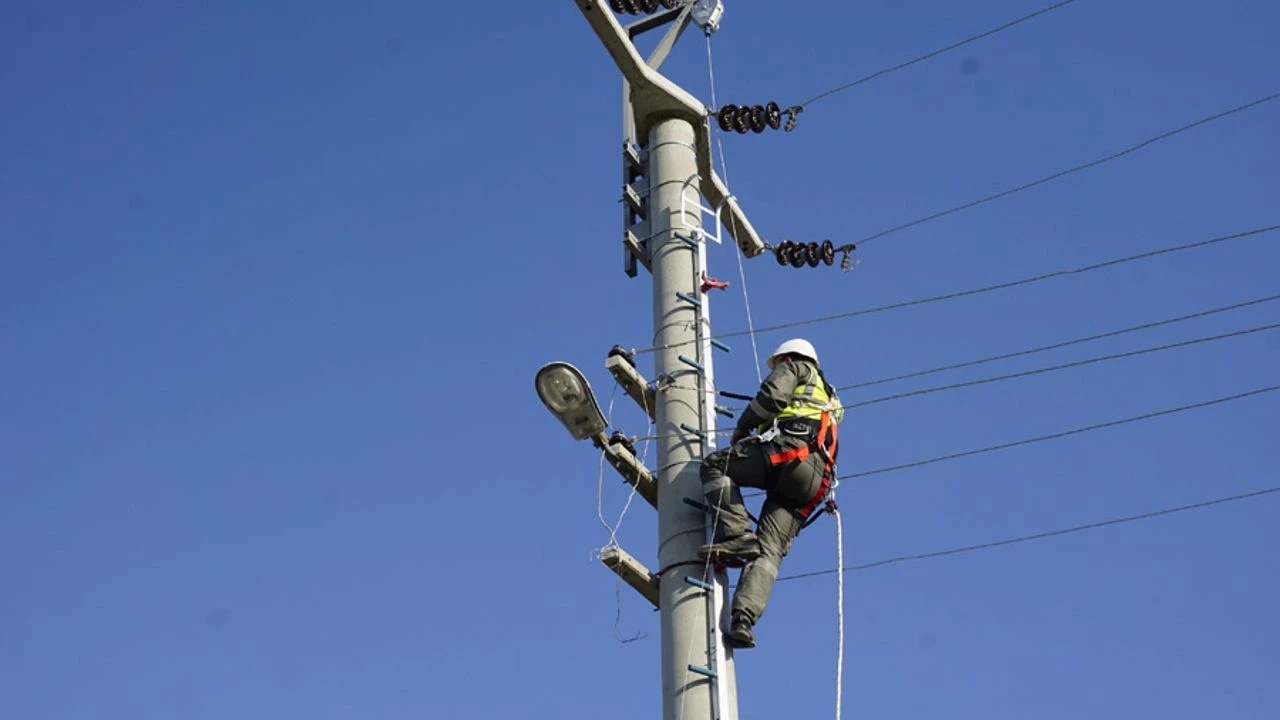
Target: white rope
[(839, 608), (724, 170), (617, 525), (611, 529)]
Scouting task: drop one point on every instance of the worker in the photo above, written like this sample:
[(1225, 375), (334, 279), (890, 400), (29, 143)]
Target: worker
[(792, 457)]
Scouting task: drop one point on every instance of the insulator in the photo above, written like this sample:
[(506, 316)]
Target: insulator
[(632, 7), (813, 254), (617, 438), (773, 115), (782, 252), (619, 351), (649, 6), (618, 6), (670, 4), (758, 122), (799, 255), (828, 252), (726, 116), (742, 120)]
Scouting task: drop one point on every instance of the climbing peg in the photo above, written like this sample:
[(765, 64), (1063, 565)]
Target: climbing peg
[(696, 302), (698, 583), (687, 240), (692, 363), (694, 503), (719, 345), (691, 429)]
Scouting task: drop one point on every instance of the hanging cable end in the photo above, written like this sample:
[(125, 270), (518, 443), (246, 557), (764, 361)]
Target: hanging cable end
[(793, 116)]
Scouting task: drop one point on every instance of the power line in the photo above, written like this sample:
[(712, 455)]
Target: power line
[(1006, 285), (980, 290), (1063, 366), (1054, 436), (1069, 171), (1055, 346), (935, 53), (1037, 536)]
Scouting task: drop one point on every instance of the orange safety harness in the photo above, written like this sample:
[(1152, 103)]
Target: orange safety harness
[(825, 443)]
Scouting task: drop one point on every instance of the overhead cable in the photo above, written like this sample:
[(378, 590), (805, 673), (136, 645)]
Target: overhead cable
[(935, 53), (1069, 171), (1001, 286), (1063, 366), (1057, 345), (1037, 536), (1054, 436)]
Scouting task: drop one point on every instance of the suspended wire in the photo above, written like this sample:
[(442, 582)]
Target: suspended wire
[(1069, 171), (1054, 436), (987, 288), (933, 54), (1037, 536), (1057, 345), (724, 169), (1063, 366)]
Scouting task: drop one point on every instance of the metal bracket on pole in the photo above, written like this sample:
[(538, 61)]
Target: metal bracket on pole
[(632, 572), (632, 471), (636, 251), (636, 387), (660, 97)]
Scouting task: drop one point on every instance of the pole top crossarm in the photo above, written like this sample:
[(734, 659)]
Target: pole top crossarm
[(654, 97)]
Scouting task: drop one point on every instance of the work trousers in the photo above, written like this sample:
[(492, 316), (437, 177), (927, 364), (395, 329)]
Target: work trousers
[(789, 488)]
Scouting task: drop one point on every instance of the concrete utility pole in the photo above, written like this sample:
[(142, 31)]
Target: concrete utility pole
[(667, 179)]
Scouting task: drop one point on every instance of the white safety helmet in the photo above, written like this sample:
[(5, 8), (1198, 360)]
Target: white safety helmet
[(794, 346)]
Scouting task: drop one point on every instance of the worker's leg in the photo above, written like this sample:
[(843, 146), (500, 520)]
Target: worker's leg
[(723, 473), (780, 522), (779, 525)]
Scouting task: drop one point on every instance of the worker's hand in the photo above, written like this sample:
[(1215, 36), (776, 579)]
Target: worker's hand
[(739, 435)]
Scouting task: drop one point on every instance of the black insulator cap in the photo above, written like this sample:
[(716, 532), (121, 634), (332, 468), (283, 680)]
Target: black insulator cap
[(828, 252), (799, 255), (619, 351), (773, 115), (758, 120), (812, 254), (726, 116), (782, 252), (742, 120)]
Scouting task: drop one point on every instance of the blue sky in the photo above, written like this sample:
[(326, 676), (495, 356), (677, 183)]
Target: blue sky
[(274, 283)]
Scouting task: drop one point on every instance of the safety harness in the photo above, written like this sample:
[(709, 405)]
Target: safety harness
[(808, 401)]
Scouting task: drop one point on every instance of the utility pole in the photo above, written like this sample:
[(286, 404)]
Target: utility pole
[(669, 185)]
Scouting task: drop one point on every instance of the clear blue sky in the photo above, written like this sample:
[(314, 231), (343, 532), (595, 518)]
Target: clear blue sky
[(275, 279)]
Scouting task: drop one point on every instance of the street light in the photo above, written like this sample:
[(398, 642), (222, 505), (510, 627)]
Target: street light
[(566, 393)]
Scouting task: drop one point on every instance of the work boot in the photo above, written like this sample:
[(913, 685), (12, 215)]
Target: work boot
[(740, 635), (744, 547)]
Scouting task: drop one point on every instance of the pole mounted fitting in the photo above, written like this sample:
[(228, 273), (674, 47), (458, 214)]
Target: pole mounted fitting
[(653, 97)]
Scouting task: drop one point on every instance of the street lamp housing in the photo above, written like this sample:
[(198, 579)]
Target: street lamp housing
[(567, 394)]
